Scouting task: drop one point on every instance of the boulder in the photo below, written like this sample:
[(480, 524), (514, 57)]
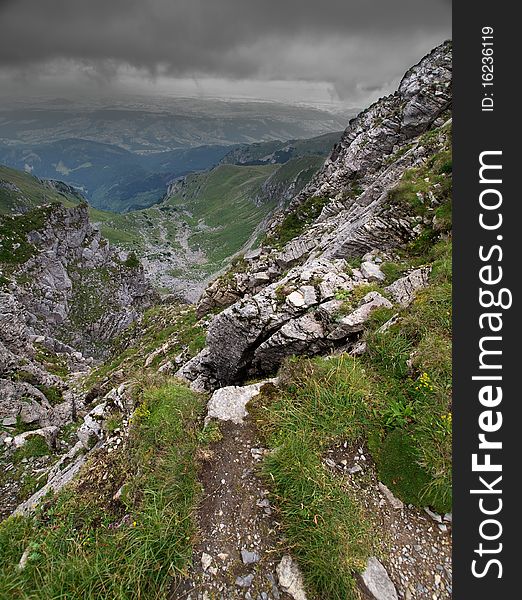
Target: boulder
[(403, 290), (229, 403), (371, 271), (354, 322), (49, 434)]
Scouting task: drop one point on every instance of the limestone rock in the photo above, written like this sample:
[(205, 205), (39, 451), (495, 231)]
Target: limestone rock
[(394, 502), (372, 272), (229, 403), (355, 320), (377, 581), (290, 578), (47, 433), (404, 289)]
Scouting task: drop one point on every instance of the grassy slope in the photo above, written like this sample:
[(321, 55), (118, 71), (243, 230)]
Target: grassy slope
[(401, 413), (220, 209), (31, 192), (395, 399), (87, 545), (224, 201), (320, 145)]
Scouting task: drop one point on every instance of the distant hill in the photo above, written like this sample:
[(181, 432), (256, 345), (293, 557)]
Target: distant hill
[(168, 123), (278, 151), (204, 219), (20, 192), (109, 176), (122, 157)]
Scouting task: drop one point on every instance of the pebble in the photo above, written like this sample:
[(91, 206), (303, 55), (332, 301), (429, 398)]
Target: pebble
[(249, 557), (206, 561), (245, 581)]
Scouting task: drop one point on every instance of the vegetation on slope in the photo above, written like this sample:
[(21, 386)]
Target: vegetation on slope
[(395, 400), (89, 544), (20, 192), (295, 222)]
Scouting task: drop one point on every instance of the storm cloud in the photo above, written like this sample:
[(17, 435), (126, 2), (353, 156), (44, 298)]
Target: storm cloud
[(358, 47)]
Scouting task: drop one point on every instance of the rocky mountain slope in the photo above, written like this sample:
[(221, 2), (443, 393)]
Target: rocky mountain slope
[(289, 436), (348, 211), (65, 295), (204, 218)]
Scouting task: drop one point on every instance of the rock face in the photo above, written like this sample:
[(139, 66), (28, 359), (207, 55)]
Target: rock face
[(64, 295), (369, 160), (72, 285), (229, 403), (298, 298)]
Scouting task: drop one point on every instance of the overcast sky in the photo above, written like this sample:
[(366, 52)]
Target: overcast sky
[(315, 51)]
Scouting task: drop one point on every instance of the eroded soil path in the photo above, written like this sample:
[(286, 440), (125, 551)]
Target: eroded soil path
[(239, 544)]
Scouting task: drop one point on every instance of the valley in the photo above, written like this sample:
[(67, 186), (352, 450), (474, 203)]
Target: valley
[(202, 220), (244, 389)]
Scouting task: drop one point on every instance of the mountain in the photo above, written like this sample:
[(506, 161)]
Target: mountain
[(204, 218), (291, 433), (110, 177), (280, 151), (71, 283), (19, 192), (122, 157)]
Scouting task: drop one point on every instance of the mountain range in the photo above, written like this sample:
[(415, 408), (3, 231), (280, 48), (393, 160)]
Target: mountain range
[(285, 435)]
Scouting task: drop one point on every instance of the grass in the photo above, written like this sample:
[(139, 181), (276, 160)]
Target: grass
[(88, 546), (15, 248), (412, 364), (224, 200), (23, 192), (33, 447), (295, 222), (323, 523), (396, 398), (176, 325)]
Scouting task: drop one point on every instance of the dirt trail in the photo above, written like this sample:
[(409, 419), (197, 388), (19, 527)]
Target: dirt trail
[(239, 542)]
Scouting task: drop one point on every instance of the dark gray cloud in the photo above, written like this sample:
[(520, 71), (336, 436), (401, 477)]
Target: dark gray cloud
[(355, 45)]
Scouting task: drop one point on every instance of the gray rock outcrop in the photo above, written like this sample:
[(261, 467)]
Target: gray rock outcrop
[(298, 298)]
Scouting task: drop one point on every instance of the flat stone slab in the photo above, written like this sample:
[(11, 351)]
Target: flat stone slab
[(290, 578), (229, 403)]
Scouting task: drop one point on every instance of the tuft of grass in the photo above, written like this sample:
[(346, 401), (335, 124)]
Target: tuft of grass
[(296, 221), (86, 545), (392, 270), (323, 523), (34, 446), (323, 401), (397, 459)]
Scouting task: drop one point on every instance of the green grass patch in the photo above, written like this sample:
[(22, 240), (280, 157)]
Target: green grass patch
[(322, 402), (295, 222), (83, 546), (34, 446), (397, 464), (15, 247)]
